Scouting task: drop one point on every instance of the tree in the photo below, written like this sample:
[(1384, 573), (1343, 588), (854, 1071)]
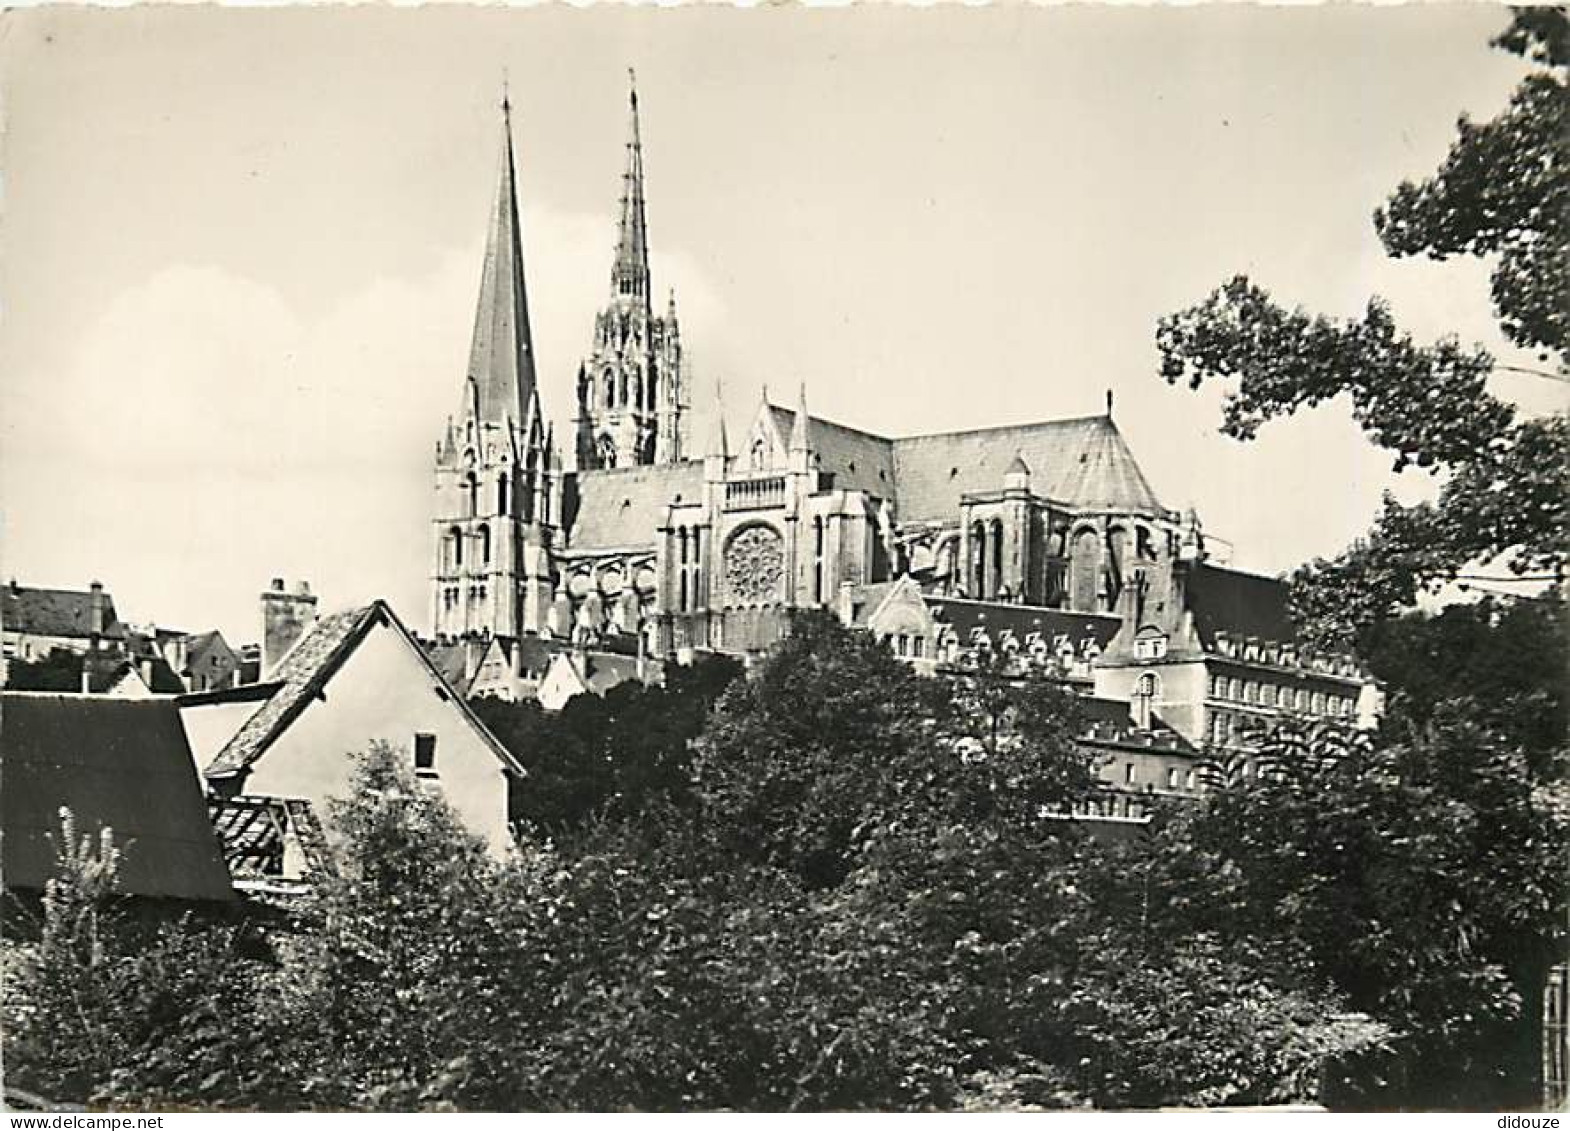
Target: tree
[(609, 757), (415, 979), (1503, 190), (1417, 875), (60, 670), (110, 1006)]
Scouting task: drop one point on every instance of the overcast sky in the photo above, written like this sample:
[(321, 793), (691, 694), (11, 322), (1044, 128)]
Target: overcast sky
[(242, 248)]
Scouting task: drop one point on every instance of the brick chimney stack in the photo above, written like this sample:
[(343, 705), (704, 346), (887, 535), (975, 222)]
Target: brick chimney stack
[(286, 617), (95, 608)]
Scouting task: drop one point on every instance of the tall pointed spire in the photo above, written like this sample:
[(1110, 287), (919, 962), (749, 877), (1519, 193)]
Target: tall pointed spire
[(501, 378), (630, 272)]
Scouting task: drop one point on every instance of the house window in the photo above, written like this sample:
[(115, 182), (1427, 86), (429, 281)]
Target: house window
[(1128, 773), (425, 755), (1172, 777)]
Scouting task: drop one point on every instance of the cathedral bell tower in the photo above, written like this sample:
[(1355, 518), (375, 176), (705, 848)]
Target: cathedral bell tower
[(497, 475), (630, 396)]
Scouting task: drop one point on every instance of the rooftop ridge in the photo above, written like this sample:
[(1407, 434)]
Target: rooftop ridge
[(1004, 428)]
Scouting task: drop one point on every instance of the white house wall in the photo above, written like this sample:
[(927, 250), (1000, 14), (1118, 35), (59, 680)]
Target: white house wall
[(383, 692)]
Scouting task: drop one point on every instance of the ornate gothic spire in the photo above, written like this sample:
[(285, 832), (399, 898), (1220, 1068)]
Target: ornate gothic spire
[(501, 379), (630, 272)]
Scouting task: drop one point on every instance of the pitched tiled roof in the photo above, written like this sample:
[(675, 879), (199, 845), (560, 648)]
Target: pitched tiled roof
[(200, 644), (621, 507), (54, 612), (1084, 463), (306, 670), (1022, 620), (858, 460), (117, 763), (868, 599), (1239, 604)]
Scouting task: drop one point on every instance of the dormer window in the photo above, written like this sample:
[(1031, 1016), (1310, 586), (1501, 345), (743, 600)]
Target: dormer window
[(1150, 647)]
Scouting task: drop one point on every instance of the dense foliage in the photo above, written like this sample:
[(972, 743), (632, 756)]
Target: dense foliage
[(60, 670), (1503, 191), (608, 759), (922, 931), (834, 884)]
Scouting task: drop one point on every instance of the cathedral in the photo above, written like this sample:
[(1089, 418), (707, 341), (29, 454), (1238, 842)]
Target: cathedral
[(1044, 541)]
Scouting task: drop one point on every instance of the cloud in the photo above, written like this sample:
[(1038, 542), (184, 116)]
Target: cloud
[(207, 436)]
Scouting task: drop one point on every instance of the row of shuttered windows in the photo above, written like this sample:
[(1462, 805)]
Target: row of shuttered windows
[(1285, 698)]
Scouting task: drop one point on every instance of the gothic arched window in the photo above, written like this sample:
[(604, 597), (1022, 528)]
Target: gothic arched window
[(485, 545), (681, 569), (471, 486), (610, 388), (759, 454), (995, 562), (978, 560), (817, 560), (455, 548), (607, 452), (501, 494), (1085, 561)]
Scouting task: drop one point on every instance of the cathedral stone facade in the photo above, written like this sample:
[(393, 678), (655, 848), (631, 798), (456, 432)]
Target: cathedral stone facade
[(1043, 540)]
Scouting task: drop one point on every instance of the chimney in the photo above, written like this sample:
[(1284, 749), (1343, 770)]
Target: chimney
[(285, 618), (95, 608)]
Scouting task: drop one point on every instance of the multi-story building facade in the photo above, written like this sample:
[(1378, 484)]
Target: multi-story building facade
[(1044, 540)]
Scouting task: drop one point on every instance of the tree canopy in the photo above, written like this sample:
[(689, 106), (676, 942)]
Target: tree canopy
[(1503, 191)]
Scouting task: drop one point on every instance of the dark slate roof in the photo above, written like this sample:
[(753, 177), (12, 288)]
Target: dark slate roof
[(452, 661), (1110, 721), (858, 460), (54, 612), (606, 671), (1022, 620), (116, 763), (1239, 604), (313, 660), (154, 672), (621, 507), (1083, 463)]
